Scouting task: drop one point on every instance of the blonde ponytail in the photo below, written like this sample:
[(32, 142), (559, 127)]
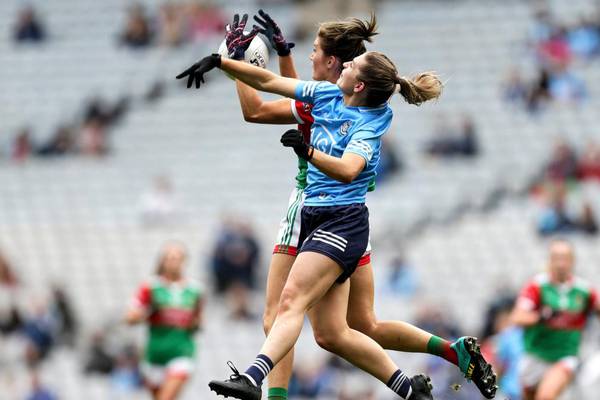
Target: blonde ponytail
[(424, 86)]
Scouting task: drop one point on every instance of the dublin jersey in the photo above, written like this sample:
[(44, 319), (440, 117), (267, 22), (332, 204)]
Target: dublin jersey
[(570, 304), (339, 129)]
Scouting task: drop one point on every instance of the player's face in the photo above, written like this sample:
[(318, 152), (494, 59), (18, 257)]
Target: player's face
[(348, 81), (173, 260), (319, 62), (561, 261)]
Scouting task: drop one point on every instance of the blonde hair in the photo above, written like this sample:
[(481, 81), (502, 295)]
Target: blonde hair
[(345, 39), (380, 76)]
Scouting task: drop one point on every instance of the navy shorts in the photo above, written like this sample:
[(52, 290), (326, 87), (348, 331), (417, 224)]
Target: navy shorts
[(338, 232)]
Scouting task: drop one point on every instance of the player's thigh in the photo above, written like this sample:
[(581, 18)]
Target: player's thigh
[(554, 382), (279, 270), (361, 298), (310, 278)]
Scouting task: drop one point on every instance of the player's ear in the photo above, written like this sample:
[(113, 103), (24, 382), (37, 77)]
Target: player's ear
[(334, 63), (359, 86)]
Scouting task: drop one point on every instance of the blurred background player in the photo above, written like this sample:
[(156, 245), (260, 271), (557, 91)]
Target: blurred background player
[(553, 308), (172, 306), (336, 42)]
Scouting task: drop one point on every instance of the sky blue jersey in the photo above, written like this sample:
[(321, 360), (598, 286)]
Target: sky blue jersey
[(340, 129)]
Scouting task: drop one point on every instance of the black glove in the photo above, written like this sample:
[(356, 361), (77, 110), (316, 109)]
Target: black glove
[(272, 31), (293, 138), (196, 72), (237, 42)]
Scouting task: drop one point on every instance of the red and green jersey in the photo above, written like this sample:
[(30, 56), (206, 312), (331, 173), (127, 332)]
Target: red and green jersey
[(302, 112), (173, 308), (570, 303)]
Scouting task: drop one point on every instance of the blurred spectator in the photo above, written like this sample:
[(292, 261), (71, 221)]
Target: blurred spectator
[(565, 86), (553, 218), (7, 275), (92, 140), (449, 142), (137, 33), (170, 26), (67, 325), (38, 328), (503, 347), (539, 93), (312, 378), (514, 89), (234, 263), (98, 358), (584, 38), (22, 147), (159, 206), (28, 27), (563, 163), (589, 163), (390, 162), (555, 51), (402, 279), (586, 222), (125, 376), (206, 20), (38, 390), (543, 25), (59, 144)]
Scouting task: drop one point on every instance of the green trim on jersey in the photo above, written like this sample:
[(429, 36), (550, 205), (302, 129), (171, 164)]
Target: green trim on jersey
[(291, 217), (550, 343), (168, 336), (303, 171)]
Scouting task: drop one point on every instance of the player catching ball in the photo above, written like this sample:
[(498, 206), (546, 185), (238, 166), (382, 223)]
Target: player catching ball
[(172, 306), (336, 42)]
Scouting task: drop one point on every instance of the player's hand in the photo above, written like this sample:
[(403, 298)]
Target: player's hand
[(269, 28), (237, 42), (196, 71), (293, 138)]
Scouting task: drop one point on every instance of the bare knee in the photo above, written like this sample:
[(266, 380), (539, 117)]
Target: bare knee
[(329, 339), (289, 300), (367, 324)]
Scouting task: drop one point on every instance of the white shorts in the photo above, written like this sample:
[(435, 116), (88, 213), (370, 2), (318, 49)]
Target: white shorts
[(532, 368), (155, 374), (288, 236)]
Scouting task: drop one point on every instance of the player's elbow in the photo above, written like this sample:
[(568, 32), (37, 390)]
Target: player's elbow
[(350, 174)]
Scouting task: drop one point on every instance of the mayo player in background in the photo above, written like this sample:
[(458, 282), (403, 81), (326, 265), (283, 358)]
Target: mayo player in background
[(553, 308), (172, 306)]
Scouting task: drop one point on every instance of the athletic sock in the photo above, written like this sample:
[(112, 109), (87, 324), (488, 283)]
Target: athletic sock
[(400, 384), (259, 369), (440, 347), (277, 394)]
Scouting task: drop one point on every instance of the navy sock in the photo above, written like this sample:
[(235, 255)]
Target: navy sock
[(400, 384), (259, 369)]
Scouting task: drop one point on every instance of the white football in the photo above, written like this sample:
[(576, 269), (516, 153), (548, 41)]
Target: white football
[(257, 53)]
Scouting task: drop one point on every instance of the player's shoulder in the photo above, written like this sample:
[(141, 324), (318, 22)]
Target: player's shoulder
[(195, 285), (582, 284), (540, 279)]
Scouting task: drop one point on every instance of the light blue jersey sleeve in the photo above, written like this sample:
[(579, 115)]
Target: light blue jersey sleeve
[(364, 143), (315, 91)]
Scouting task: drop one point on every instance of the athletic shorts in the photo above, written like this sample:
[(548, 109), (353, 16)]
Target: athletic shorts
[(532, 368), (288, 237), (339, 232), (155, 374)]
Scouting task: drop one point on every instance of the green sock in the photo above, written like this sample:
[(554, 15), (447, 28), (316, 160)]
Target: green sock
[(440, 347), (277, 393)]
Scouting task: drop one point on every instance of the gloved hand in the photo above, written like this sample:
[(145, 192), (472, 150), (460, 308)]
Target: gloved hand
[(269, 28), (237, 42), (196, 71), (293, 138)]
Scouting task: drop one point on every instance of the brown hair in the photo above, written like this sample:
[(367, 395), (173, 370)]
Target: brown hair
[(380, 77), (345, 39), (160, 267)]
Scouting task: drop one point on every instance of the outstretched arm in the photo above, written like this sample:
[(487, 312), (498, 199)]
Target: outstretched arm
[(256, 110), (259, 78)]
